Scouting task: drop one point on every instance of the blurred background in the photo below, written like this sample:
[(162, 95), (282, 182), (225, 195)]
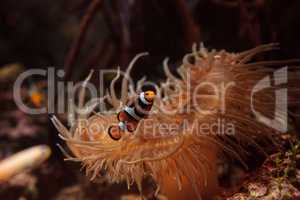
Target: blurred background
[(79, 35)]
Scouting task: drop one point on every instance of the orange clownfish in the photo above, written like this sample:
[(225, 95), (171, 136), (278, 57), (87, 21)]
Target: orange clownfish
[(131, 114)]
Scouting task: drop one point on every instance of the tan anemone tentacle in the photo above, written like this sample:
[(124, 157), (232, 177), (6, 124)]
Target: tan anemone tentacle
[(124, 89), (83, 89), (139, 85), (159, 157), (252, 52), (114, 100), (168, 72)]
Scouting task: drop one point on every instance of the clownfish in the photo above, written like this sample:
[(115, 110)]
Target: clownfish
[(131, 114)]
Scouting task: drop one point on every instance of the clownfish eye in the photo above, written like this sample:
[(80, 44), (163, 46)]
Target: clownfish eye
[(149, 95)]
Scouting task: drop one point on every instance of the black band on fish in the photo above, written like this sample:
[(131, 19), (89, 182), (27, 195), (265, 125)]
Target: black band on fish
[(143, 99), (142, 105), (141, 113), (132, 113)]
